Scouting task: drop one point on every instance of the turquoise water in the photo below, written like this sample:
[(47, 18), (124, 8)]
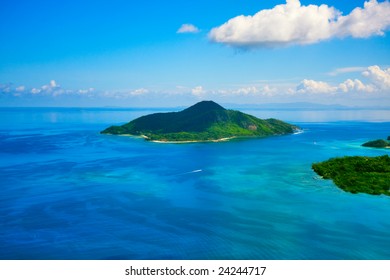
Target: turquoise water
[(68, 192)]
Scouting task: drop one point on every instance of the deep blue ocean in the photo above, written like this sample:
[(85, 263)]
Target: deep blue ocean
[(68, 192)]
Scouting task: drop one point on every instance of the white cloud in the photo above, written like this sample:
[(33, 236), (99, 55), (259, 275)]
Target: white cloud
[(380, 77), (252, 90), (35, 90), (140, 91), (50, 89), (374, 84), (198, 91), (378, 81), (246, 90), (268, 90), (295, 24), (53, 84), (373, 19), (5, 88), (20, 89), (311, 86), (345, 70), (355, 85), (188, 28), (86, 91)]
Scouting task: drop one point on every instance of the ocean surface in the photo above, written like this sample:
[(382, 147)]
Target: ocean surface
[(68, 192)]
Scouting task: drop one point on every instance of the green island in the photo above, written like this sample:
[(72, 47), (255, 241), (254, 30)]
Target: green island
[(357, 174), (380, 143), (204, 121)]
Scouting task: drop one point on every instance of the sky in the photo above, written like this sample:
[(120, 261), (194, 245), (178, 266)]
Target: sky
[(174, 53)]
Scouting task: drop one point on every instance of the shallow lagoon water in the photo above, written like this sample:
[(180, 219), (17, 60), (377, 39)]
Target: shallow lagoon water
[(68, 192)]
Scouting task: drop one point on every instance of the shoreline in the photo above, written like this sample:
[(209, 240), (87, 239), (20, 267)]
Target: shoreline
[(189, 141), (225, 139), (173, 142)]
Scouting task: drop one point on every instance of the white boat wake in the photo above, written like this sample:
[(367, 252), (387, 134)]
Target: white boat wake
[(194, 171), (190, 172)]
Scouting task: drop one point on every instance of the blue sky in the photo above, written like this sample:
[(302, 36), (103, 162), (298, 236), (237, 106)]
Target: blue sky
[(171, 53)]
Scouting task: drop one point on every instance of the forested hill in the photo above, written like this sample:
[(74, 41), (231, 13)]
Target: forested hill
[(204, 121)]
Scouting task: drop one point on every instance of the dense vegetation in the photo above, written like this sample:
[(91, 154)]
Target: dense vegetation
[(203, 121), (357, 174), (380, 143)]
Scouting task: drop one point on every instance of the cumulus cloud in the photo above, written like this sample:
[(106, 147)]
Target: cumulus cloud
[(355, 85), (380, 77), (378, 80), (50, 89), (198, 91), (35, 90), (5, 88), (251, 90), (86, 91), (52, 85), (20, 89), (295, 24), (140, 91), (246, 90), (268, 90), (373, 19), (373, 82), (188, 28), (311, 86)]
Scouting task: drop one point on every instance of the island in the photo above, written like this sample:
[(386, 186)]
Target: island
[(204, 121), (357, 174), (380, 143)]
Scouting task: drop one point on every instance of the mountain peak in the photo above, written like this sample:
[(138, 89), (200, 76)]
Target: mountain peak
[(204, 106)]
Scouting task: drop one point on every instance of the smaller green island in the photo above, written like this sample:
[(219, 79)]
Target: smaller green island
[(357, 174), (202, 122), (379, 143)]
